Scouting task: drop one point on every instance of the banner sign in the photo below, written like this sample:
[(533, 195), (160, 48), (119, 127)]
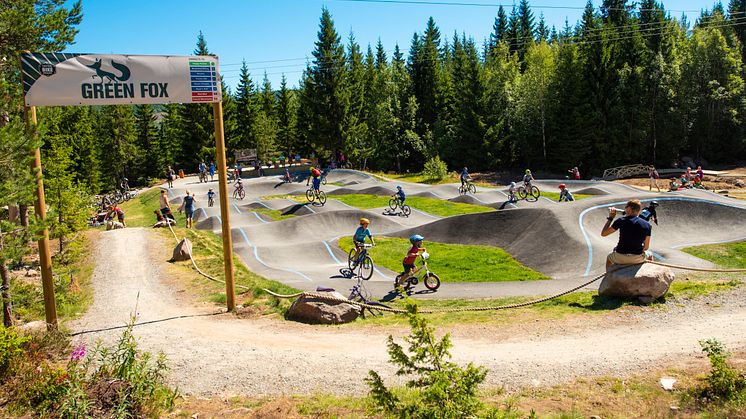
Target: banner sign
[(83, 79), (246, 154)]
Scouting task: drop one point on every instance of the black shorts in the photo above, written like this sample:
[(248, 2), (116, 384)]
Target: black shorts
[(408, 267)]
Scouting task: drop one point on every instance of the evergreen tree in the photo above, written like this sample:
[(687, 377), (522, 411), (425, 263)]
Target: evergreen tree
[(266, 124), (499, 29), (245, 112), (286, 113), (424, 71), (147, 142), (119, 153), (526, 28)]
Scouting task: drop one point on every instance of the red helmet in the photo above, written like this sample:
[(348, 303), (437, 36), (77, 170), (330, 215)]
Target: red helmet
[(562, 186)]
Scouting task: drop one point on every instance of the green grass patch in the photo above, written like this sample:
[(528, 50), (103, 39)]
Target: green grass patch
[(432, 206), (554, 196), (452, 262), (727, 255), (138, 212), (275, 215), (452, 177)]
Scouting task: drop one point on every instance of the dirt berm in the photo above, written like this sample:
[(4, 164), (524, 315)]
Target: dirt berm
[(534, 236)]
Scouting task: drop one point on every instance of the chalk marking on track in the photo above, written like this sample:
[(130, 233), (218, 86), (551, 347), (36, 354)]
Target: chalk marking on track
[(236, 207), (259, 259), (259, 217), (329, 249)]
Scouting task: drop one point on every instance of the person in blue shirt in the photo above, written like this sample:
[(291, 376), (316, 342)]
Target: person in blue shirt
[(400, 195), (634, 236), (465, 176), (565, 194), (210, 197), (648, 213), (212, 170), (360, 234)]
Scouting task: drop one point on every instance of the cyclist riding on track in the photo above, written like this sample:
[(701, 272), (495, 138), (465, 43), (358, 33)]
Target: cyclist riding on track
[(400, 195), (511, 192), (465, 177), (527, 179), (411, 257), (360, 234)]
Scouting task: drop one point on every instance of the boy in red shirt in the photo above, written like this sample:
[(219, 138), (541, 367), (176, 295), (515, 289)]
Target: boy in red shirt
[(411, 257)]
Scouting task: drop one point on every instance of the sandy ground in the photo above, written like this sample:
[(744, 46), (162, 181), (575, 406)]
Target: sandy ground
[(224, 355)]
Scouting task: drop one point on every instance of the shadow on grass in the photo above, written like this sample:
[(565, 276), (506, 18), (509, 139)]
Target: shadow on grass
[(612, 303)]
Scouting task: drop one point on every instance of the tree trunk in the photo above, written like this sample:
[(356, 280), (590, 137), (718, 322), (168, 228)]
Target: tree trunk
[(7, 304), (23, 214)]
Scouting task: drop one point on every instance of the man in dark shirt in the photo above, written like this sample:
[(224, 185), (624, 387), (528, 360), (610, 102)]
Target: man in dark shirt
[(648, 213), (634, 235)]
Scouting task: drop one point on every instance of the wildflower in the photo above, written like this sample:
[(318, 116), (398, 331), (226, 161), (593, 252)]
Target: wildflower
[(78, 353)]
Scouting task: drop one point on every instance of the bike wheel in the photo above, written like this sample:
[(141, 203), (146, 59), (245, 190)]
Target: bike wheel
[(241, 194), (472, 188), (432, 282), (392, 204), (309, 195), (210, 202), (323, 180), (461, 190), (235, 193), (322, 197), (366, 268), (522, 192), (535, 192), (351, 259), (406, 210)]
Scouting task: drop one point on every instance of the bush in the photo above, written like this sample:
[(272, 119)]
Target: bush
[(724, 383), (11, 347), (435, 169), (441, 389)]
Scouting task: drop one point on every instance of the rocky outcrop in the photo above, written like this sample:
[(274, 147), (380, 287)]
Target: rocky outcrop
[(319, 311), (646, 282), (182, 251)]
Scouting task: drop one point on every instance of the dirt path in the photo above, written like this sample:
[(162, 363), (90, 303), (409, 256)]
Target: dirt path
[(224, 355)]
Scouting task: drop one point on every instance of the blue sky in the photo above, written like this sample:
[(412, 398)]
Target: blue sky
[(276, 36)]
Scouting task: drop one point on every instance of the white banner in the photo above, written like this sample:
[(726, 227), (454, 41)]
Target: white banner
[(51, 79)]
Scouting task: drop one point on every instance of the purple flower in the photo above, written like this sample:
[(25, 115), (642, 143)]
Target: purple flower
[(78, 353)]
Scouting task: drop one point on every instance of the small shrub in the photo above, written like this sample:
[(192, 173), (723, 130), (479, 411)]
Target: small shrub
[(435, 169), (441, 389), (11, 347), (724, 383)]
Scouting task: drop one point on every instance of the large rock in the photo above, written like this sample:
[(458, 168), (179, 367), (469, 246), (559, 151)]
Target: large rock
[(318, 311), (183, 250), (647, 282)]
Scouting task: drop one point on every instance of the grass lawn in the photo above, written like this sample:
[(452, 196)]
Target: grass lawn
[(452, 177), (452, 262), (432, 206), (275, 215), (727, 255), (554, 196)]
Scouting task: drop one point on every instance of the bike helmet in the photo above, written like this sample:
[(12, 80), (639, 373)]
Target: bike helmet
[(562, 186), (528, 171), (398, 187), (364, 221), (415, 238), (654, 203)]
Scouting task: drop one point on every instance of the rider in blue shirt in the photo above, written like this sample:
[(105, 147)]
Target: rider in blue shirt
[(360, 234), (400, 195), (465, 176)]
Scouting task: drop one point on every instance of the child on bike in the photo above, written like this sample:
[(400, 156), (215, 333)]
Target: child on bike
[(527, 179), (565, 194), (210, 197), (511, 193), (360, 234), (400, 195), (286, 176), (314, 174), (316, 180), (408, 262), (465, 178)]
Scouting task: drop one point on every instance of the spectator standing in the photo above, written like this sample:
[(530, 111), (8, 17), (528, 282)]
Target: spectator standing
[(654, 176)]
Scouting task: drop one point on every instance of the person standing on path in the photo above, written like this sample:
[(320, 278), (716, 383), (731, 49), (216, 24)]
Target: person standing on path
[(188, 207), (170, 176), (634, 236), (212, 170), (654, 176), (165, 205)]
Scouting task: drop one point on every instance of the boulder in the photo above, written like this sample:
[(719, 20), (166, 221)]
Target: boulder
[(38, 326), (318, 311), (647, 282), (182, 251)]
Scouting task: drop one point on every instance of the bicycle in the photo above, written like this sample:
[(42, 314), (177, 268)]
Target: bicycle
[(203, 176), (526, 190), (422, 273), (323, 175), (362, 261), (313, 195), (210, 201), (239, 192), (466, 188), (360, 294), (395, 203)]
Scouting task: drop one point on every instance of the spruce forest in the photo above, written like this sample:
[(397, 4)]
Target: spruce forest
[(626, 84)]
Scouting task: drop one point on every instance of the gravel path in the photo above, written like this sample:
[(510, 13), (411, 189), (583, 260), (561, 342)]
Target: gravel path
[(224, 355)]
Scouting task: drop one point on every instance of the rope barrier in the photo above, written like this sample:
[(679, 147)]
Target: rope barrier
[(692, 268), (185, 316)]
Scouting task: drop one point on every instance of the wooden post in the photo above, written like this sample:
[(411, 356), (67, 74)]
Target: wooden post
[(45, 256), (230, 289)]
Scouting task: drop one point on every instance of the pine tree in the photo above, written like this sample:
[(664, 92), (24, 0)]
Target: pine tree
[(424, 69), (119, 151), (266, 124), (147, 141), (286, 113), (526, 28), (499, 29), (245, 112)]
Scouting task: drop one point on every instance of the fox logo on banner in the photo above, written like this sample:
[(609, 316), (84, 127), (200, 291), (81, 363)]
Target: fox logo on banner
[(78, 79)]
